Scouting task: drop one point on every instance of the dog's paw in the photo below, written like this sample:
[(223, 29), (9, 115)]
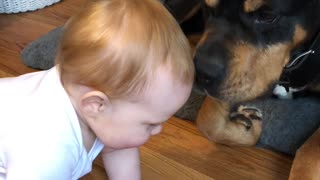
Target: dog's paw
[(245, 116)]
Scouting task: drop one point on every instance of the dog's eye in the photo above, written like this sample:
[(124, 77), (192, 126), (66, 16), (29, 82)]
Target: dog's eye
[(266, 17)]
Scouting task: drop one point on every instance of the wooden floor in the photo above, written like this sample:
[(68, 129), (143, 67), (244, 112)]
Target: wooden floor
[(180, 152)]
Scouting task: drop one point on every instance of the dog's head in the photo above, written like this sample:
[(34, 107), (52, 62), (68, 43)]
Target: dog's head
[(246, 44)]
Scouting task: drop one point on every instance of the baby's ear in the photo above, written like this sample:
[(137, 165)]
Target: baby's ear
[(94, 103)]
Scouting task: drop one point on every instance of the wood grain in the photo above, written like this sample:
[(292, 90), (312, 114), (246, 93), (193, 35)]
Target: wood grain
[(180, 152)]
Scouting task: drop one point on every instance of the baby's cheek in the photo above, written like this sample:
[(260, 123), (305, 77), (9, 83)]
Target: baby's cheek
[(138, 139)]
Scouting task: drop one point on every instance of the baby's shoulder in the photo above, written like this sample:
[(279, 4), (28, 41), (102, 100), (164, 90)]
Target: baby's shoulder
[(21, 84), (42, 160), (44, 150)]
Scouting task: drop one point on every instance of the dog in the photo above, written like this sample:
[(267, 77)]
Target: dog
[(246, 48), (241, 56)]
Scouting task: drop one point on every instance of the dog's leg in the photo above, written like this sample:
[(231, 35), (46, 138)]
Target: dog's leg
[(306, 164), (219, 125)]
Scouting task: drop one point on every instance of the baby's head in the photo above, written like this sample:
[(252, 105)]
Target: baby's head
[(127, 67)]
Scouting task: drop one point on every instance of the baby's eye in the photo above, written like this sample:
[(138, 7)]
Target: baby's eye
[(148, 124), (153, 125)]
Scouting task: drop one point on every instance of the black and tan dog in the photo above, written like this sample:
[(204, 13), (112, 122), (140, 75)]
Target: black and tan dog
[(241, 56), (244, 49)]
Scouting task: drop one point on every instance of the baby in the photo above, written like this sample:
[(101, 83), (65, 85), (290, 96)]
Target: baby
[(123, 68)]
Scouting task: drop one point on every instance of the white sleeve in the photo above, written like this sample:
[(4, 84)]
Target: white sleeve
[(40, 165)]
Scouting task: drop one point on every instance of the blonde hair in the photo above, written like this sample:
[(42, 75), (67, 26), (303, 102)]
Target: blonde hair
[(115, 45)]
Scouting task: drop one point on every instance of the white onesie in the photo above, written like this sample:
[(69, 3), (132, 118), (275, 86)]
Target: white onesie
[(40, 135)]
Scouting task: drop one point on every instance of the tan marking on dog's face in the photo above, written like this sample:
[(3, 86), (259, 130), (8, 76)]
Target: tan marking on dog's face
[(252, 70), (252, 5), (299, 35), (193, 40), (212, 3), (204, 37), (192, 12)]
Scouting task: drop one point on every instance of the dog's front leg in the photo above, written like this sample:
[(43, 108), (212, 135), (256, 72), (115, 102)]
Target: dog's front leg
[(306, 164), (219, 125)]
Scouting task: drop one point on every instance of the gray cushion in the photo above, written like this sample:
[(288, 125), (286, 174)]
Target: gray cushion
[(40, 54)]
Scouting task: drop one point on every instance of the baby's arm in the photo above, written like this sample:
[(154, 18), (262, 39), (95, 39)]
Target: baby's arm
[(122, 164)]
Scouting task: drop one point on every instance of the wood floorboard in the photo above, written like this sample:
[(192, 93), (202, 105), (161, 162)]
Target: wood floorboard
[(180, 152)]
